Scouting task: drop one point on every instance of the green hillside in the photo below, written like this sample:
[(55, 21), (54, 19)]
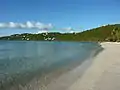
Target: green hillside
[(103, 33)]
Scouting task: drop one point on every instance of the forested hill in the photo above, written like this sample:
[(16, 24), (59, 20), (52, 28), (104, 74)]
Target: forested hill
[(103, 33)]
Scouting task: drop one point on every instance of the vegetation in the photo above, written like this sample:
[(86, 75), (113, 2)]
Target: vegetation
[(103, 33)]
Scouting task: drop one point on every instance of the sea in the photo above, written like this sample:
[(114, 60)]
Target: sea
[(32, 65)]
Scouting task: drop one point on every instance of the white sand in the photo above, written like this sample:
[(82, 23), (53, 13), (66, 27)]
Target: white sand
[(104, 73)]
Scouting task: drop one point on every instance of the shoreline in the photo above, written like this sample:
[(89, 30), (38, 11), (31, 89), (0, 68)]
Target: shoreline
[(73, 71), (69, 78), (76, 72), (104, 73)]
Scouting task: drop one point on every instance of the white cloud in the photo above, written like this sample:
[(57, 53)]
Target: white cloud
[(71, 31), (27, 25), (42, 31), (22, 25), (30, 24), (2, 25), (43, 28), (68, 28), (11, 24)]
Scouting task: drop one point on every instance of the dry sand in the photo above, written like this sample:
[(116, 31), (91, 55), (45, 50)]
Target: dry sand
[(104, 73)]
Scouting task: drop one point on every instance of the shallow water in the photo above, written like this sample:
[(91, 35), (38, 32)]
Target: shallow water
[(23, 61)]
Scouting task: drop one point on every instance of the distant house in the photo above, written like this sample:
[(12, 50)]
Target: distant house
[(28, 39)]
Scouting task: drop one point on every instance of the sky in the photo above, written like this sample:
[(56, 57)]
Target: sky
[(21, 16)]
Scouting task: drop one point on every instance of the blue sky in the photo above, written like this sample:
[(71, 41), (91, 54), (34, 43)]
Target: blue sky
[(78, 14)]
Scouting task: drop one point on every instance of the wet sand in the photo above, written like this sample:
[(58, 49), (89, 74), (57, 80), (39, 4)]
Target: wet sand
[(104, 72)]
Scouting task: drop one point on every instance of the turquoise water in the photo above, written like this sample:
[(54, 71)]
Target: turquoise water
[(22, 61)]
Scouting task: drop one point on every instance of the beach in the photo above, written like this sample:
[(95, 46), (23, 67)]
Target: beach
[(104, 72)]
